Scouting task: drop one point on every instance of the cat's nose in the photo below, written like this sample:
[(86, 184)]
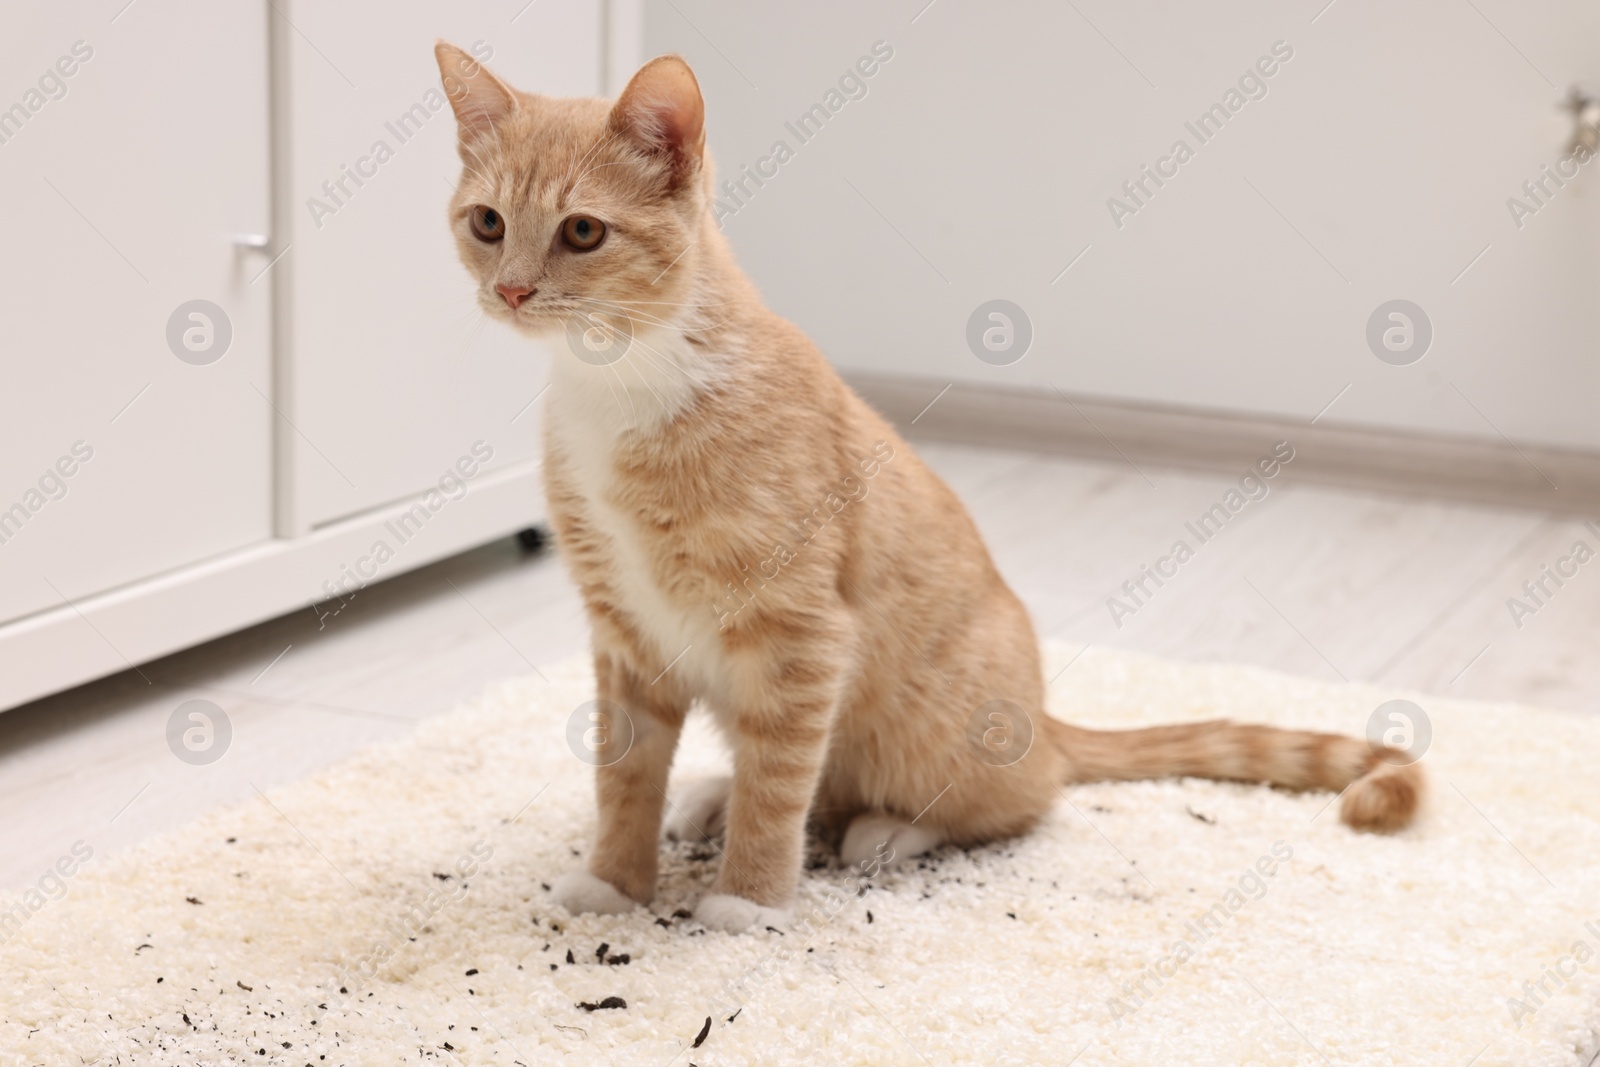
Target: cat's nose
[(514, 294)]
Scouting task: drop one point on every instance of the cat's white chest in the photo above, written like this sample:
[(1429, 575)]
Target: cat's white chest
[(634, 578), (588, 421)]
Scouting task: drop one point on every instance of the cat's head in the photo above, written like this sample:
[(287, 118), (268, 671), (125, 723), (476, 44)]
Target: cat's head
[(570, 206)]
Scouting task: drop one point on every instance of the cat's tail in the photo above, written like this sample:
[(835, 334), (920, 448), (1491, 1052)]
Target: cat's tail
[(1381, 790)]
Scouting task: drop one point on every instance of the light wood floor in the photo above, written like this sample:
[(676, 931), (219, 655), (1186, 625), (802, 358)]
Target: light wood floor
[(1403, 592)]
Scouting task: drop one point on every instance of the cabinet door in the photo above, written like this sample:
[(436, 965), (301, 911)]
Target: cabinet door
[(133, 149), (395, 372)]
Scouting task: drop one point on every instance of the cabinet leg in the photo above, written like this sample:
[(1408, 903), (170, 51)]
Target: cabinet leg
[(535, 539)]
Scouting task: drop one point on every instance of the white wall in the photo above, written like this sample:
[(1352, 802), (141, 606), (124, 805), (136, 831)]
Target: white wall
[(1377, 167)]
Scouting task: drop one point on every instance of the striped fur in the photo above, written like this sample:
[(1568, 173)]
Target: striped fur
[(749, 535)]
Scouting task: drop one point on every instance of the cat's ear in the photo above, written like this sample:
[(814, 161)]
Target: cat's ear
[(479, 99), (661, 110)]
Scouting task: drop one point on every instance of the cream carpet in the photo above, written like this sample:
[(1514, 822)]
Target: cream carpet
[(411, 876)]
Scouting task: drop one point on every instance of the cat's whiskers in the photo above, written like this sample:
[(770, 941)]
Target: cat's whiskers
[(480, 174), (598, 166), (578, 161), (612, 333), (631, 304), (636, 316), (473, 148), (606, 373), (649, 354), (610, 369), (697, 320), (679, 303), (643, 380), (567, 183), (632, 394), (467, 337), (663, 361), (629, 314), (466, 319)]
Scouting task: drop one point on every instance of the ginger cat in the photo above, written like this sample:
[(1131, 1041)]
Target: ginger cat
[(749, 534)]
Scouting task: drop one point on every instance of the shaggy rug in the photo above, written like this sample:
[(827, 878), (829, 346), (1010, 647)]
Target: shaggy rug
[(393, 910)]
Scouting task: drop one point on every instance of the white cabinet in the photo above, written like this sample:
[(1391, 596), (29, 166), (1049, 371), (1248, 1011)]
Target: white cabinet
[(394, 371), (125, 184), (210, 493)]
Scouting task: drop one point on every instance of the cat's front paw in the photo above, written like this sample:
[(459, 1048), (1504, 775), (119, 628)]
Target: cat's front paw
[(733, 915), (580, 891)]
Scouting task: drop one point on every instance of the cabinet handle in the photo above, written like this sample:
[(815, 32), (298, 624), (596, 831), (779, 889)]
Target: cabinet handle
[(251, 242), (1585, 120)]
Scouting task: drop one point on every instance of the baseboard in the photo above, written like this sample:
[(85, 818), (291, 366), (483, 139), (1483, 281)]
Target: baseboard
[(1495, 473), (112, 631)]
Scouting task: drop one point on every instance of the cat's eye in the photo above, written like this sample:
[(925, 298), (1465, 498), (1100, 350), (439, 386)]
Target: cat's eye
[(583, 233), (487, 224)]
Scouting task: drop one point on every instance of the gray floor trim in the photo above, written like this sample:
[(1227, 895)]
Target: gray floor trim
[(1485, 472)]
